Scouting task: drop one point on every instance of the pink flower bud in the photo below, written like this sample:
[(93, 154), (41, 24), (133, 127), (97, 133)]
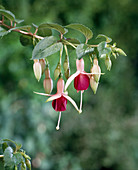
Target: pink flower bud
[(48, 85), (37, 69), (108, 63), (96, 69), (47, 73), (93, 84), (43, 64)]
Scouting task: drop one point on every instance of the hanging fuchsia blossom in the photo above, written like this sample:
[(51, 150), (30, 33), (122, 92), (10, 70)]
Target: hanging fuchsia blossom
[(81, 78), (59, 100)]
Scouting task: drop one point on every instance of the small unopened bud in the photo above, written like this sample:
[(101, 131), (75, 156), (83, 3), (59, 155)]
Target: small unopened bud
[(93, 84), (108, 63), (48, 85), (37, 69), (120, 51), (23, 166), (47, 73), (66, 63), (67, 73), (43, 64), (28, 163), (96, 69), (57, 71)]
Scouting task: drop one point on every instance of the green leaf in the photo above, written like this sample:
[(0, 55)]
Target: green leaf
[(3, 32), (4, 146), (18, 21), (103, 49), (74, 41), (42, 45), (57, 27), (83, 29), (83, 49), (17, 158), (18, 145), (49, 50), (26, 28), (42, 31), (108, 39), (2, 7), (26, 40), (2, 164), (34, 25), (8, 154), (7, 14)]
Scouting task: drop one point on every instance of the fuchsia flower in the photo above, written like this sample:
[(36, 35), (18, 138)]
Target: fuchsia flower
[(81, 78), (59, 100)]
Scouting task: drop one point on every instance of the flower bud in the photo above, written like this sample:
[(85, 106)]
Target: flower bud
[(43, 64), (120, 51), (67, 73), (48, 85), (23, 166), (28, 163), (108, 63), (47, 73), (66, 64), (57, 71), (93, 84), (37, 69), (96, 69)]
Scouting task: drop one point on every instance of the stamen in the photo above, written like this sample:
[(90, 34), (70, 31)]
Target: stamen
[(81, 101), (57, 127)]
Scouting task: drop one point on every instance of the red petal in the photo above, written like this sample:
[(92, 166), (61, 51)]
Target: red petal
[(59, 104), (81, 82)]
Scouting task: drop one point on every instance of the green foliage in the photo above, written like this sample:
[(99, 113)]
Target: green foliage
[(57, 27), (83, 49), (12, 156), (7, 14), (83, 29), (46, 47), (105, 135)]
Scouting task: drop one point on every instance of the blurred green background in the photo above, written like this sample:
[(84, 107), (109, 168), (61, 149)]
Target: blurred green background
[(104, 136)]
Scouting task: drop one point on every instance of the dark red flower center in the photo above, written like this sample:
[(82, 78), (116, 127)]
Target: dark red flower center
[(81, 82), (59, 104)]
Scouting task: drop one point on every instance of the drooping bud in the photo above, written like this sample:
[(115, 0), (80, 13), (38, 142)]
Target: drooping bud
[(47, 72), (66, 67), (66, 63), (108, 63), (96, 69), (120, 51), (43, 64), (23, 166), (48, 85), (28, 164), (67, 73), (48, 82), (37, 69), (57, 71), (93, 84)]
